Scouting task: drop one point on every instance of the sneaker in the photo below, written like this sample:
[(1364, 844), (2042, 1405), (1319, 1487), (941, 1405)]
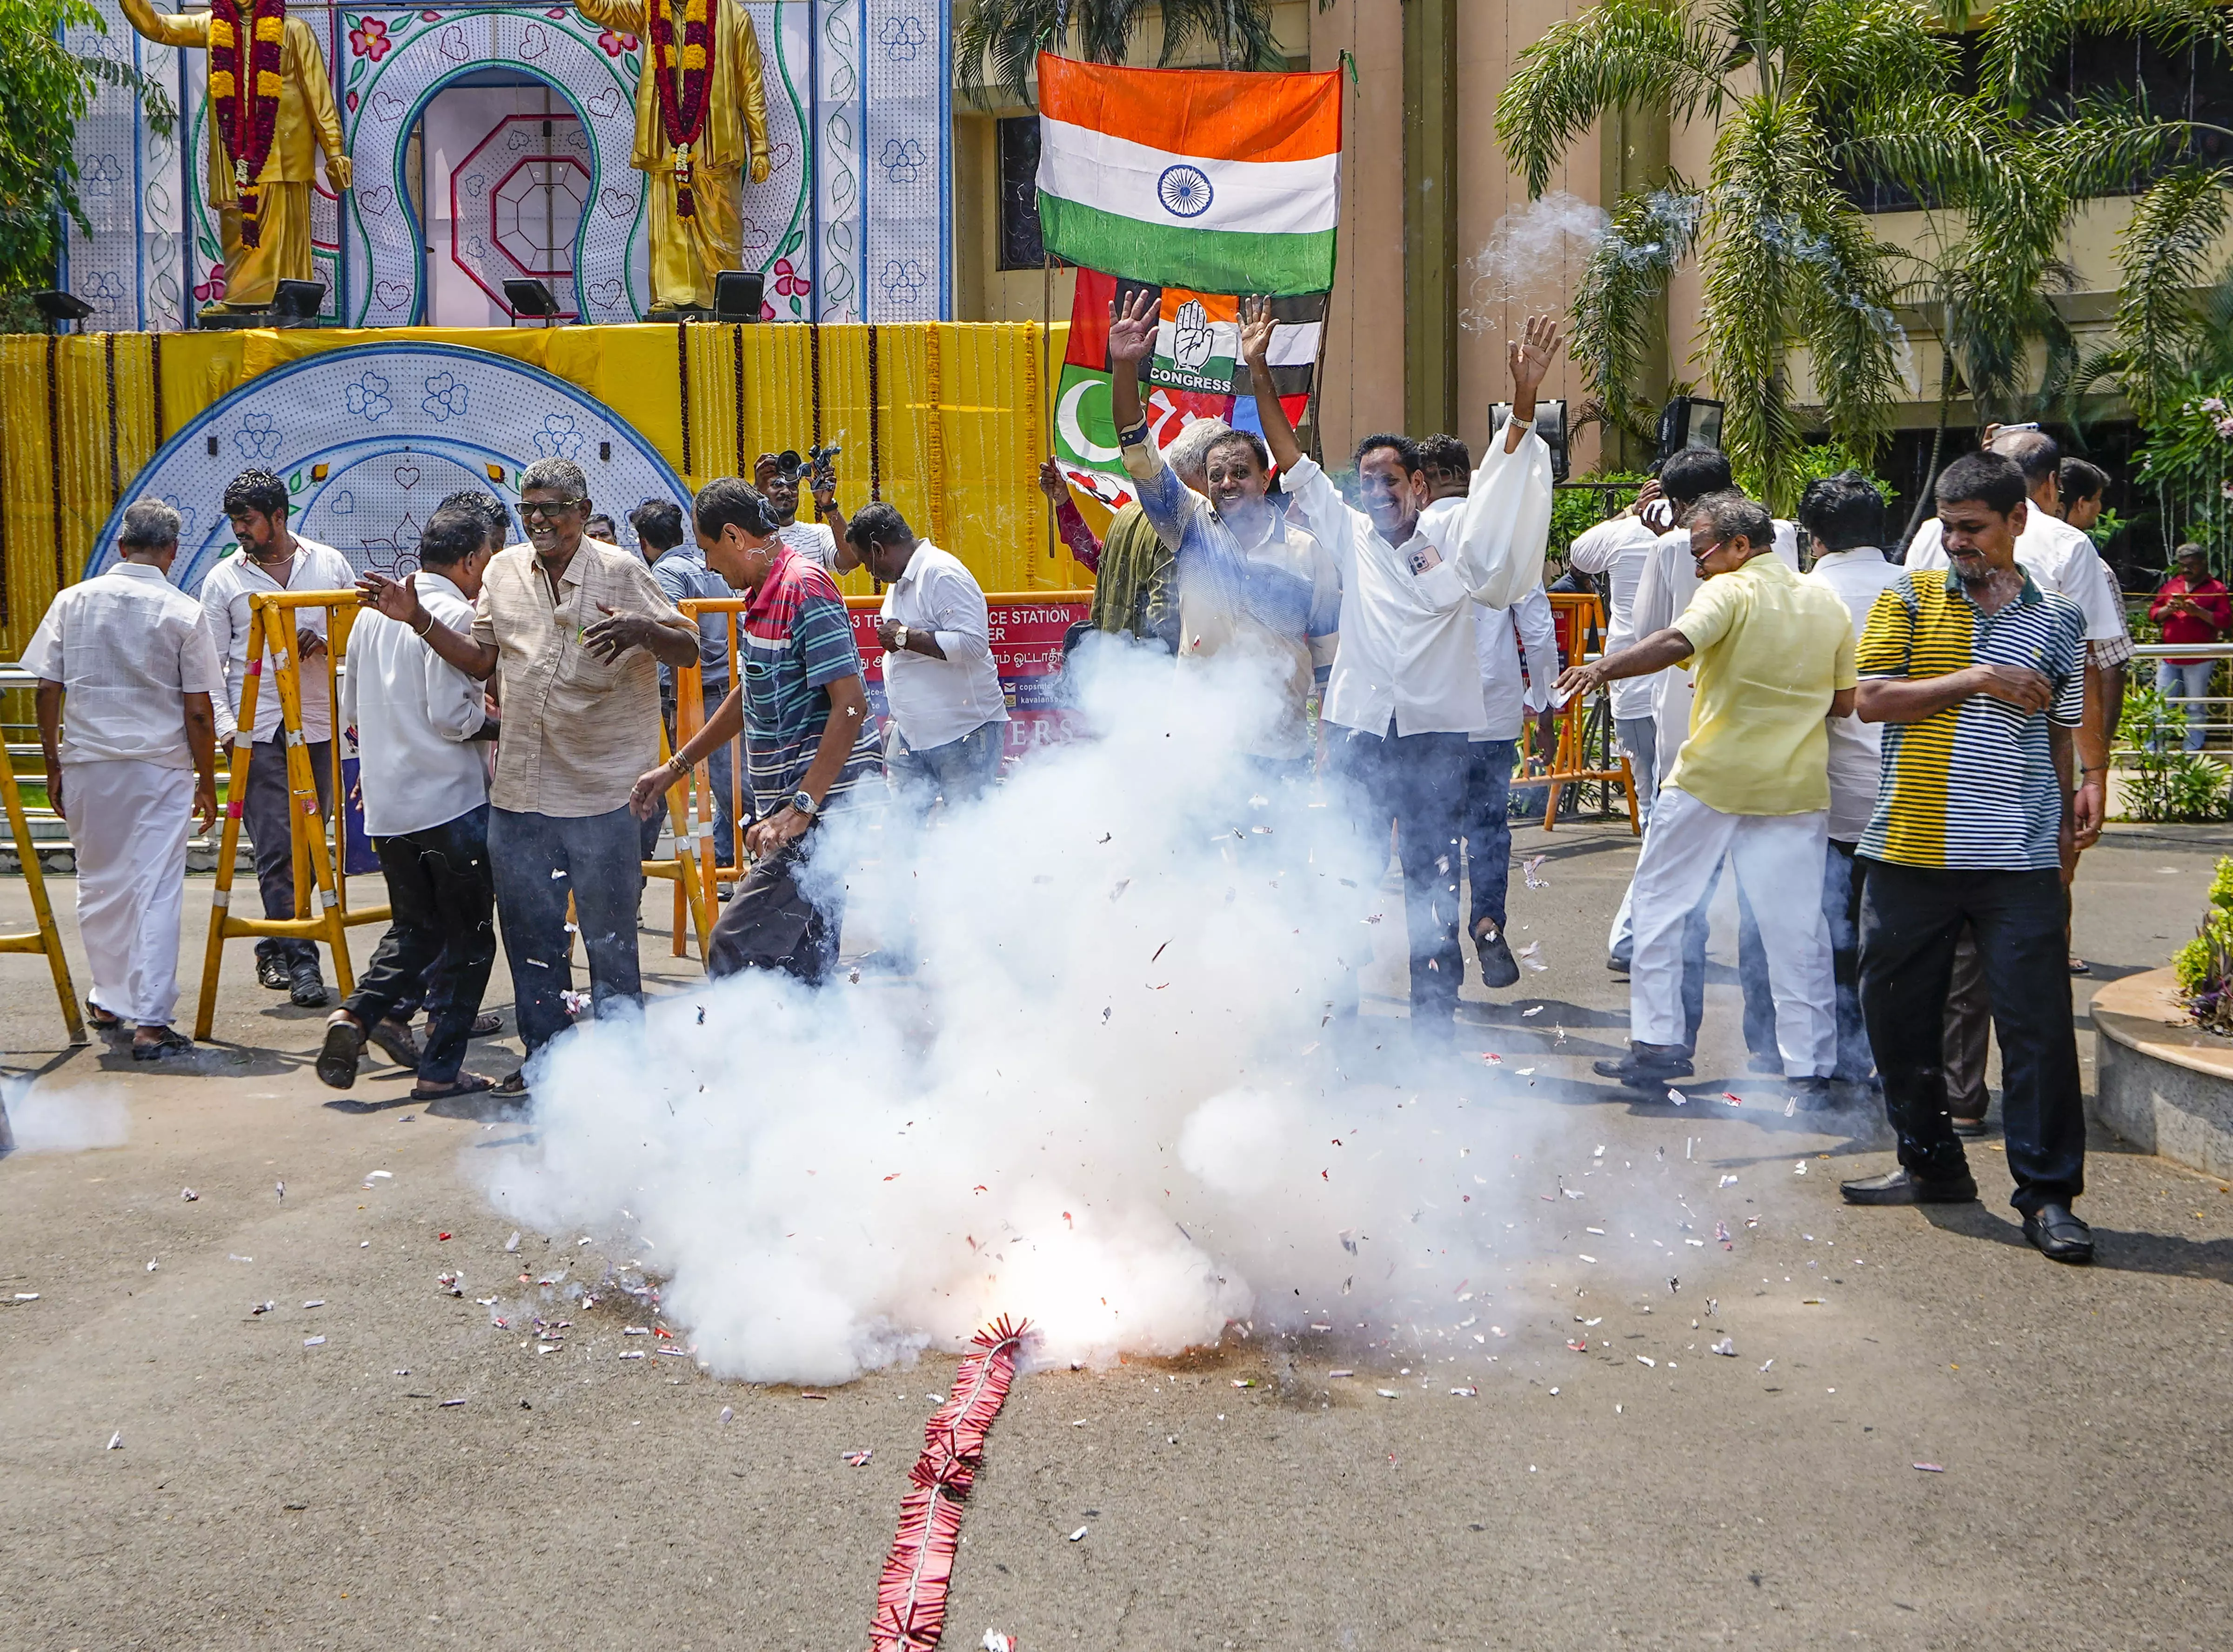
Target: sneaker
[(306, 987), (1498, 966), (271, 971)]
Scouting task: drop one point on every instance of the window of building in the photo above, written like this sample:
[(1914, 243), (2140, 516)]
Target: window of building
[(1020, 246)]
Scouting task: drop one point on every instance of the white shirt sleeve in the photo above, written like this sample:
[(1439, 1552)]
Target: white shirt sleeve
[(1333, 522), (216, 619), (1927, 548), (42, 655), (1654, 609), (962, 619), (456, 704), (1599, 548), (1538, 645), (1496, 537)]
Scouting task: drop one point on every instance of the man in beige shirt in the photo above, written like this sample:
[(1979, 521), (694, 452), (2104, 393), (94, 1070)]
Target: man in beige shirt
[(579, 629)]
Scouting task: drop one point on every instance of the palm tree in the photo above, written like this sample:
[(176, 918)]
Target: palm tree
[(1006, 36), (1785, 254)]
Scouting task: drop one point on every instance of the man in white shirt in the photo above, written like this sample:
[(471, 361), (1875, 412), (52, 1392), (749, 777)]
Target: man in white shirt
[(1842, 517), (1502, 638), (425, 808), (126, 673), (1405, 693), (272, 559), (1618, 547), (948, 714), (823, 539)]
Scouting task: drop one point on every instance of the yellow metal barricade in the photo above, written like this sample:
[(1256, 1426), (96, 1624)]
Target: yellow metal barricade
[(692, 893), (1581, 621), (45, 938), (318, 861), (689, 717)]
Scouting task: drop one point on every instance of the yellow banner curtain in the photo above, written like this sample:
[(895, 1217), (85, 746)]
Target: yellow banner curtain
[(958, 428)]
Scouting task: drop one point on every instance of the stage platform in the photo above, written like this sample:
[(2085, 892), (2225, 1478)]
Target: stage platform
[(369, 428)]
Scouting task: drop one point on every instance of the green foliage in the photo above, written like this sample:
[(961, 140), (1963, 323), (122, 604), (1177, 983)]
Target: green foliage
[(1812, 464), (45, 89), (2163, 782), (1001, 40), (2188, 461), (2202, 963)]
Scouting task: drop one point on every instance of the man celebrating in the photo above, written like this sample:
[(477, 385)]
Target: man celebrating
[(1406, 690), (272, 559), (1249, 581), (824, 538), (425, 808), (1978, 676), (124, 658), (1775, 658), (803, 711), (580, 630), (948, 715)]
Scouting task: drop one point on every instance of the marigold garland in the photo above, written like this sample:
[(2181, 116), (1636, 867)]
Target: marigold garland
[(247, 124), (682, 110)]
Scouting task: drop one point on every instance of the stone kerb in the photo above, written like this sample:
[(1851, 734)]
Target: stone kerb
[(2160, 1082)]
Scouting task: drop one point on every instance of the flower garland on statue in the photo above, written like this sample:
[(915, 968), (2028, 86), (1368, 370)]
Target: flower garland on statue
[(682, 106), (246, 123)]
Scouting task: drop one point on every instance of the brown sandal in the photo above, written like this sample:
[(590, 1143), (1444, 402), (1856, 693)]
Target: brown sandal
[(467, 1084)]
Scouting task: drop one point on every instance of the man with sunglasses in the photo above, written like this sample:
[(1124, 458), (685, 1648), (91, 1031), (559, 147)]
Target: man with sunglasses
[(1775, 660), (580, 629)]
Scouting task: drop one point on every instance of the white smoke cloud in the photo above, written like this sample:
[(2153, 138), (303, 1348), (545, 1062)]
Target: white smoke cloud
[(1108, 1101), (46, 1117), (1532, 259)]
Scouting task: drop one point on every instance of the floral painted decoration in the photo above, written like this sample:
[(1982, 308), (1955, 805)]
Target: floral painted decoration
[(369, 38)]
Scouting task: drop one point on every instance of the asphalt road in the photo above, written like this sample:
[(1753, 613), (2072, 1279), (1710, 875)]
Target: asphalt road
[(266, 1491)]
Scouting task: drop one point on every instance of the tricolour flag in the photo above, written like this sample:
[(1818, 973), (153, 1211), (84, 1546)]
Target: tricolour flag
[(1193, 373), (1201, 179)]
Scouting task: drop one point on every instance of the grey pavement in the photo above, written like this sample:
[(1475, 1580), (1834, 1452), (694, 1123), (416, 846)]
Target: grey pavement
[(1637, 1490)]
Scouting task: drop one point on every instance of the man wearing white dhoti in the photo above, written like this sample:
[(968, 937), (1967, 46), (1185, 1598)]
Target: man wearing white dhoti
[(125, 669)]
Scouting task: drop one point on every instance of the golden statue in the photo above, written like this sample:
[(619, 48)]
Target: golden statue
[(701, 125), (268, 92)]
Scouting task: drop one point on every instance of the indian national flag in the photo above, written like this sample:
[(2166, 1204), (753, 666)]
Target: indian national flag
[(1201, 179)]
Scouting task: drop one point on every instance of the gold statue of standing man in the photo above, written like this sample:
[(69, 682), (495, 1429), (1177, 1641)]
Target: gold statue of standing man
[(271, 108), (700, 125)]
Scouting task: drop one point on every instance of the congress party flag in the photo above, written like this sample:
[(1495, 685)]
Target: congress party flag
[(1202, 178), (1195, 373)]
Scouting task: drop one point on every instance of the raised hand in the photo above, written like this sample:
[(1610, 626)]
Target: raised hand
[(1190, 335), (1052, 483), (1132, 328), (1256, 332), (1530, 356)]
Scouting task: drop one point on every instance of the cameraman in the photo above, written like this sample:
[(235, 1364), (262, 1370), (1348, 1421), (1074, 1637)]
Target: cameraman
[(777, 477)]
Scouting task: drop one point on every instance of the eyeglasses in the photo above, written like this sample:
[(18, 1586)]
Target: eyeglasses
[(532, 512)]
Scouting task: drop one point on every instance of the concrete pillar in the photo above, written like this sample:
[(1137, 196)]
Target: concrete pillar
[(1631, 157), (1430, 216)]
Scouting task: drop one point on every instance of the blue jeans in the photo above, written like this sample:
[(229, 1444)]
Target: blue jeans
[(1418, 781), (2188, 682), (541, 859), (958, 771), (1487, 831)]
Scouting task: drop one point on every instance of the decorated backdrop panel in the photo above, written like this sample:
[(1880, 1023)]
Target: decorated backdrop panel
[(945, 421)]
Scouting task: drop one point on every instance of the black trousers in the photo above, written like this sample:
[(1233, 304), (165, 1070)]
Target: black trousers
[(782, 917), (1910, 917), (443, 894), (1419, 781)]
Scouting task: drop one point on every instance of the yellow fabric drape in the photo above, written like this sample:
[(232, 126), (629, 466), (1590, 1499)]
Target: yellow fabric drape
[(960, 425)]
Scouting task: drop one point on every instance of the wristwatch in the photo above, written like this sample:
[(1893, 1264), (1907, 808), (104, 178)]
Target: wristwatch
[(899, 638), (803, 801)]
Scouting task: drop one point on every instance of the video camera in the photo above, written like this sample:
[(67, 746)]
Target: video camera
[(818, 468)]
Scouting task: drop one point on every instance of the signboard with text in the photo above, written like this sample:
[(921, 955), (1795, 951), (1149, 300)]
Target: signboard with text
[(1027, 636)]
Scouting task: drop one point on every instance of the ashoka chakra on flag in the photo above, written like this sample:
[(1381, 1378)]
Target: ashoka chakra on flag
[(1221, 182)]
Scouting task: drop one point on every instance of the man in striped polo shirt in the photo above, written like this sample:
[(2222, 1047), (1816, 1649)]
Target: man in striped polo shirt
[(803, 710), (1979, 678)]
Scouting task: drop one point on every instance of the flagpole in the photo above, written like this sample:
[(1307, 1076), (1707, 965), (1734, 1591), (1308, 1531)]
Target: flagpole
[(1048, 394)]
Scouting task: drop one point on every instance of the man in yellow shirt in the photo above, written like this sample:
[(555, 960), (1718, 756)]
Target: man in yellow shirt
[(303, 122), (1774, 659)]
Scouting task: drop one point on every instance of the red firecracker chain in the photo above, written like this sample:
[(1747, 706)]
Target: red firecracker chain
[(911, 1597)]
